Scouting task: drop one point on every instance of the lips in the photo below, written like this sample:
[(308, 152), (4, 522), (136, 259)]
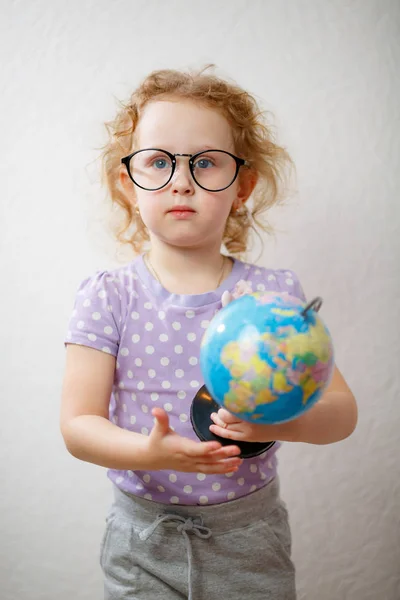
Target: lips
[(181, 208)]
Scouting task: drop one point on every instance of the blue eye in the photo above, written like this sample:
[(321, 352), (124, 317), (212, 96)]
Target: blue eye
[(160, 163), (203, 163)]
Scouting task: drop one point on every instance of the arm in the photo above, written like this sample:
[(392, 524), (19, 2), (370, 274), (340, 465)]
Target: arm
[(90, 436), (331, 419)]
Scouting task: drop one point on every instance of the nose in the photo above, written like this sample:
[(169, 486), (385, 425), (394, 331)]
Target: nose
[(182, 182)]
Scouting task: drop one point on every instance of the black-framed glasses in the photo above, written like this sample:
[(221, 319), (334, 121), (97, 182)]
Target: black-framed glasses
[(153, 168)]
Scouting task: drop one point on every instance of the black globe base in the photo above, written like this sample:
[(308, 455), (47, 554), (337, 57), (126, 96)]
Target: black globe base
[(200, 415)]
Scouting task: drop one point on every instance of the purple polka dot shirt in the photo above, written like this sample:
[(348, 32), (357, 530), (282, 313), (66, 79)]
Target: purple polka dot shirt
[(155, 337)]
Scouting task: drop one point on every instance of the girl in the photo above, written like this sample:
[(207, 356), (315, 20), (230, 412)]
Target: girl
[(189, 518)]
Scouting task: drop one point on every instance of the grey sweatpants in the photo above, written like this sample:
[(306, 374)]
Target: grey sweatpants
[(238, 550)]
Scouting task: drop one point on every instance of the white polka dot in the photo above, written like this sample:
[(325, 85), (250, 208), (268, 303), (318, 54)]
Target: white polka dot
[(229, 474), (146, 478), (139, 486), (148, 496), (133, 419), (193, 360), (288, 273), (86, 303), (289, 281), (108, 330), (92, 337), (174, 499), (190, 314), (191, 337), (231, 495), (203, 499), (124, 407), (102, 294), (181, 395), (119, 480), (151, 373), (149, 326), (179, 373), (205, 324), (145, 408), (130, 473), (271, 277), (80, 324), (149, 349), (161, 488), (106, 349), (253, 468), (135, 338), (178, 349), (261, 287), (201, 476), (263, 476), (183, 418), (194, 383), (253, 488), (145, 431), (130, 374), (166, 385), (121, 385), (135, 315), (247, 267), (161, 315), (133, 396), (124, 351), (163, 337), (168, 406), (96, 316), (176, 325), (216, 487), (138, 362), (188, 489), (109, 308), (241, 481), (172, 477), (164, 361), (140, 385), (154, 396), (148, 305)]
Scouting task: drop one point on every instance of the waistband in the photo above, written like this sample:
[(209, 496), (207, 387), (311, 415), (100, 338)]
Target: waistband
[(218, 517)]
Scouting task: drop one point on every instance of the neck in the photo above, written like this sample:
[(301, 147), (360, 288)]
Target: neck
[(188, 270)]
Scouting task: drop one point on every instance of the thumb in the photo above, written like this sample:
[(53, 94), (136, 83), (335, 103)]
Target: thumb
[(161, 425)]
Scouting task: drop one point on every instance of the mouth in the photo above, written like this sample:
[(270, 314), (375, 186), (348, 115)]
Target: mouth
[(181, 209)]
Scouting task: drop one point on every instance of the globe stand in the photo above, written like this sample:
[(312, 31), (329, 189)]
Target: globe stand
[(203, 405)]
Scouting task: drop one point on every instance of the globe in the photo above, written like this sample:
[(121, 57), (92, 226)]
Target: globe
[(267, 357)]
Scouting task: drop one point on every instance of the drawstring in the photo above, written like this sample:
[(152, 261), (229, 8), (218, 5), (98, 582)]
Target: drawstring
[(183, 526)]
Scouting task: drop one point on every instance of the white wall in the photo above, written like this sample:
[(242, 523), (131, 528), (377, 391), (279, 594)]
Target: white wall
[(329, 71)]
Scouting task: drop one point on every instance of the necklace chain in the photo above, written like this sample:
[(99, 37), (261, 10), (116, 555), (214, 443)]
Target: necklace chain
[(150, 264)]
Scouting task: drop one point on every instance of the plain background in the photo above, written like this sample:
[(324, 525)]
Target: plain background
[(329, 72)]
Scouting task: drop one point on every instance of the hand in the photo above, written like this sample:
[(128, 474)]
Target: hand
[(168, 450), (231, 427)]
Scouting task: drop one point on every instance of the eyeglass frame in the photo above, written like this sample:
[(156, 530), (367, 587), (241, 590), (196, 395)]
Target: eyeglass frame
[(240, 162)]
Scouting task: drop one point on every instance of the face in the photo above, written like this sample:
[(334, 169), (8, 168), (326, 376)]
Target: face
[(184, 127)]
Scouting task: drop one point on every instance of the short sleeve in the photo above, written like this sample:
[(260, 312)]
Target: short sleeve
[(96, 315), (289, 282)]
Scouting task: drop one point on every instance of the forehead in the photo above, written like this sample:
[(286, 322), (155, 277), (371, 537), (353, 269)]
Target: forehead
[(183, 126)]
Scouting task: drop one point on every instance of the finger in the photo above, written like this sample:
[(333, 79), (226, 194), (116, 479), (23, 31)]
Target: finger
[(225, 452), (228, 417), (161, 424), (216, 419), (199, 449), (229, 434), (219, 468)]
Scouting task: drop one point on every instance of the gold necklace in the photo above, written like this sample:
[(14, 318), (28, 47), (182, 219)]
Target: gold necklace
[(152, 269)]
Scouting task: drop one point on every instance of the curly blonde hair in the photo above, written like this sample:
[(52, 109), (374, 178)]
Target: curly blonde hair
[(253, 140)]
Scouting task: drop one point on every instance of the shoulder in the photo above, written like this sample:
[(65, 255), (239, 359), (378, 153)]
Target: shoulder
[(259, 279)]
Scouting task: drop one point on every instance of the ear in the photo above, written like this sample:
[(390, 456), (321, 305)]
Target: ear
[(125, 181), (247, 182)]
